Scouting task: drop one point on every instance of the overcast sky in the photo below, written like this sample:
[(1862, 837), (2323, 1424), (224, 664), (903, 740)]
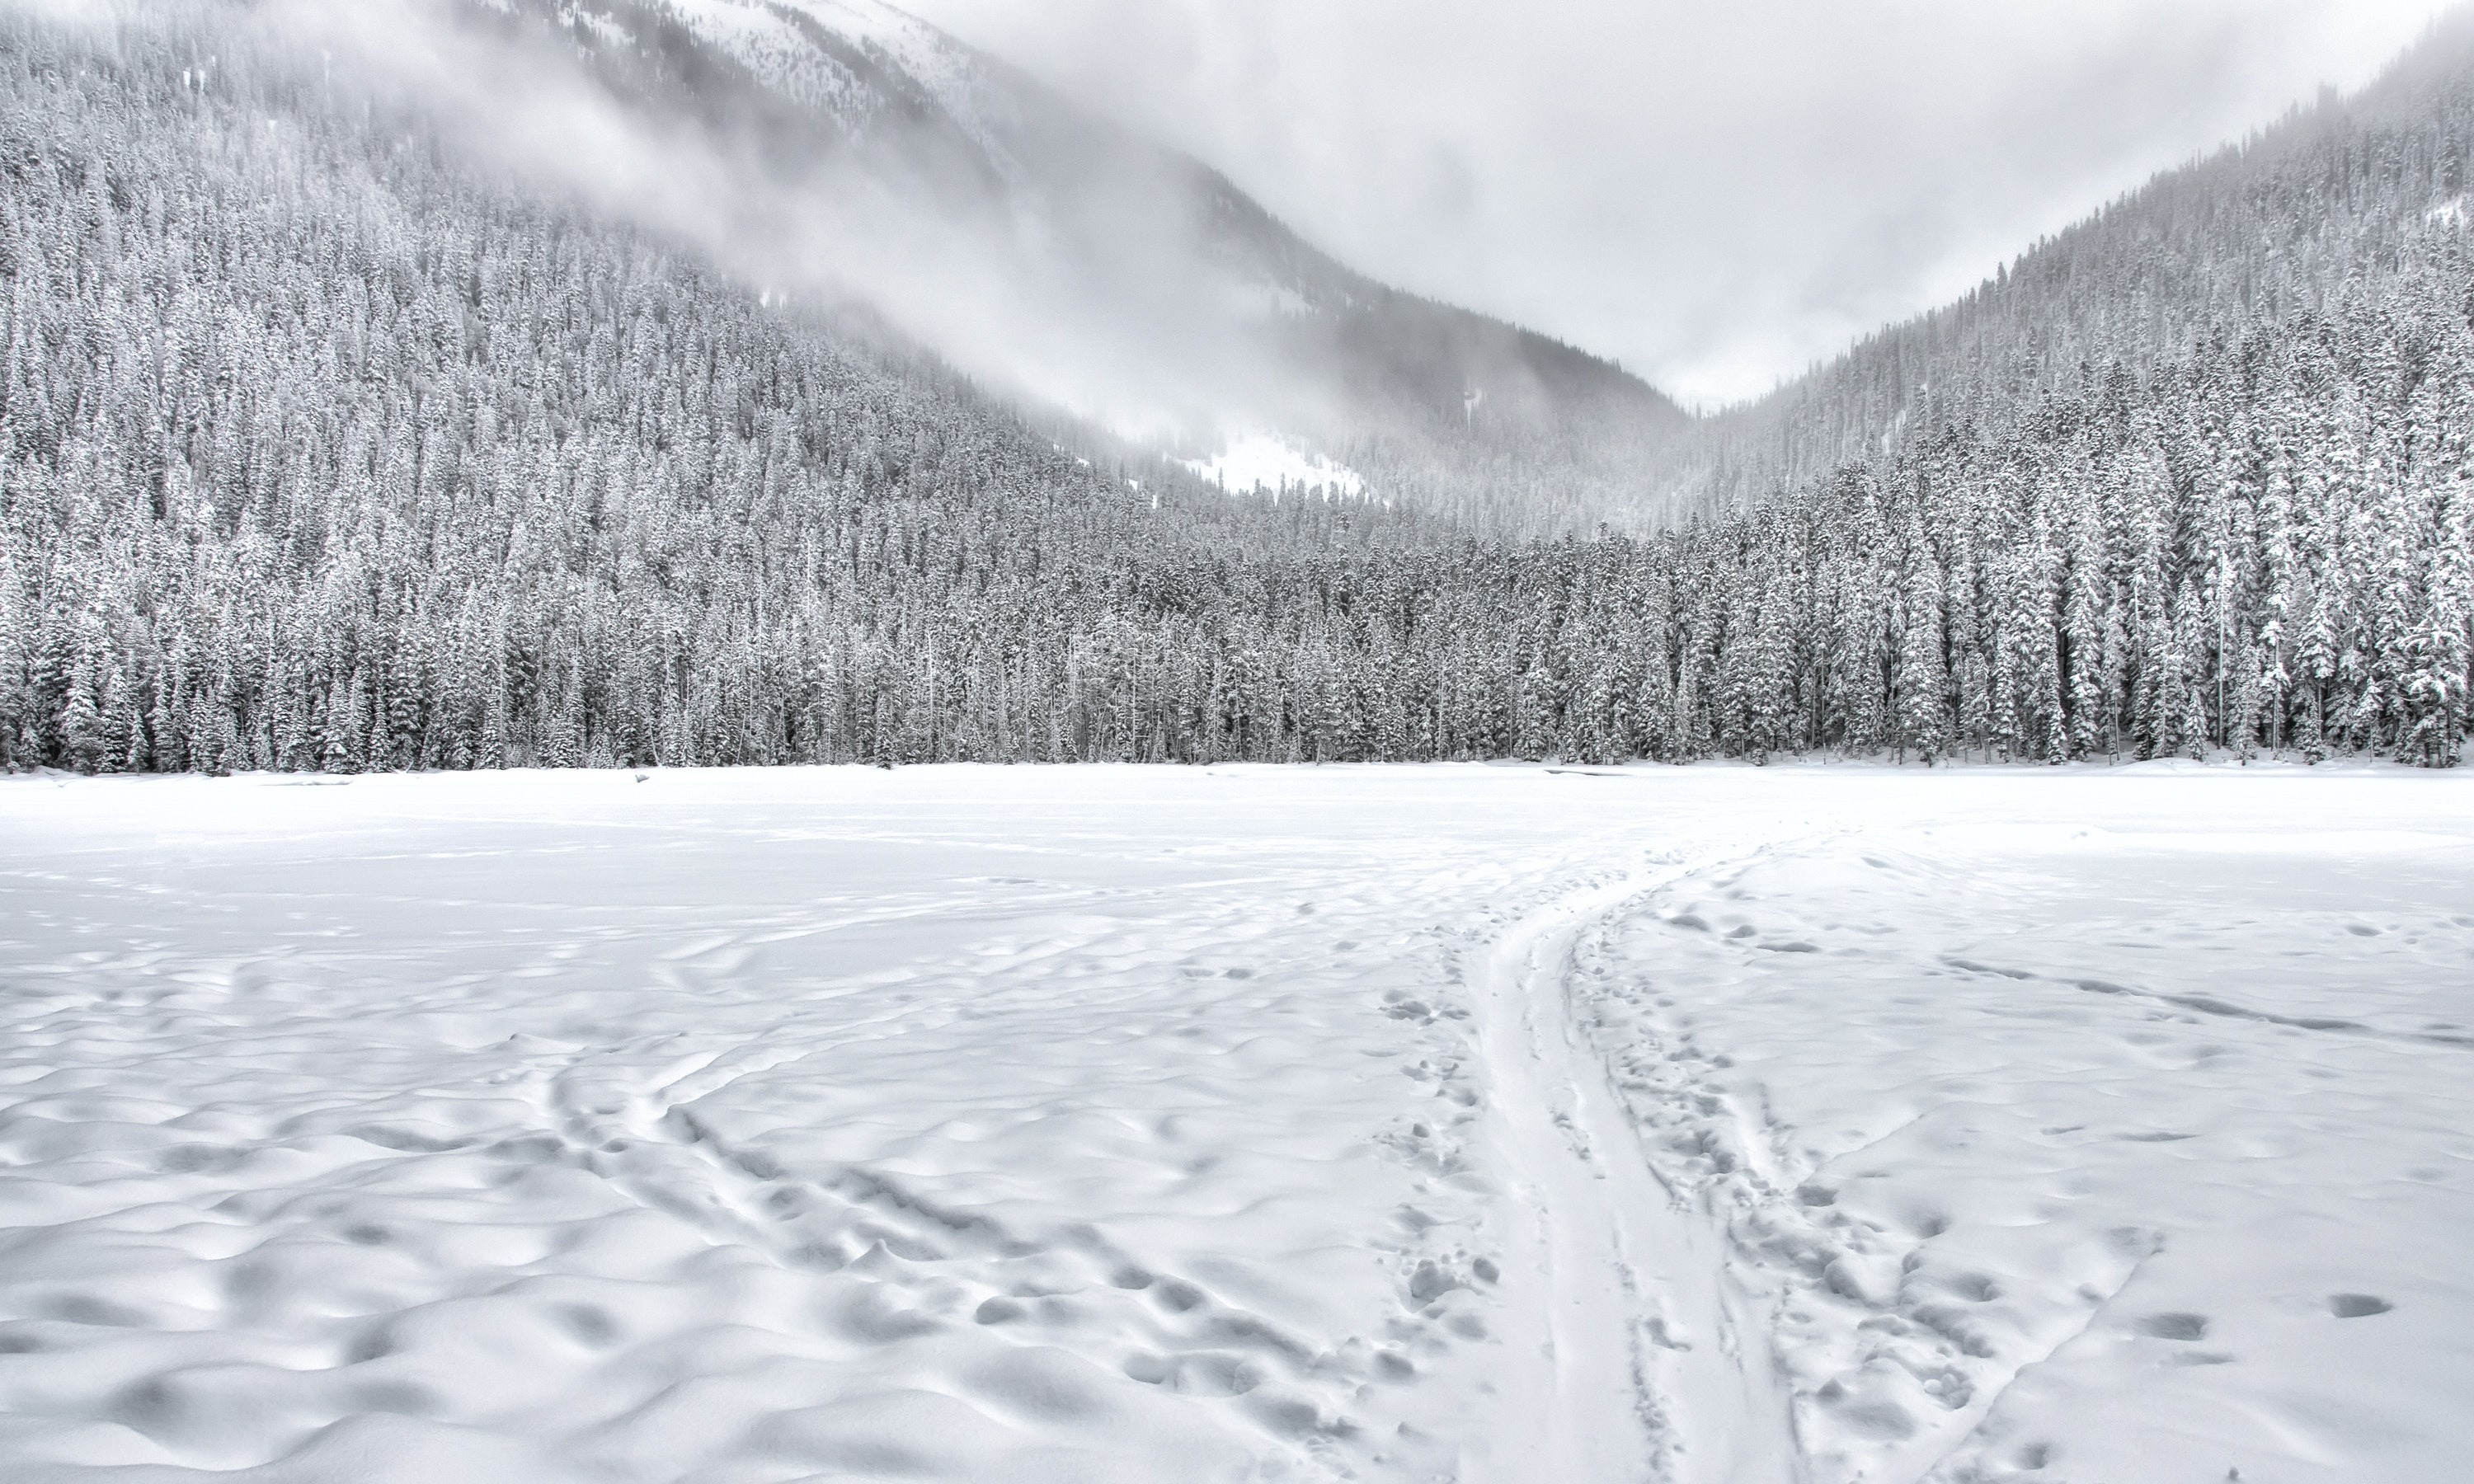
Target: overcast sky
[(1714, 192)]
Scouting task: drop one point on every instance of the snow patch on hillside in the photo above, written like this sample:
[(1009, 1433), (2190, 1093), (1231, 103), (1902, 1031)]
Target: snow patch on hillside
[(910, 42), (762, 39), (1260, 461), (1268, 301), (919, 61), (605, 30)]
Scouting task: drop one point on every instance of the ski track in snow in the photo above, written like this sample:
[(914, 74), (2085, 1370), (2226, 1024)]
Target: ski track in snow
[(1631, 1277), (1453, 1123)]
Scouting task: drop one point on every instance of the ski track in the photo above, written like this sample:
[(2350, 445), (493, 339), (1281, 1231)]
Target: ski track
[(1475, 1125), (1656, 1366)]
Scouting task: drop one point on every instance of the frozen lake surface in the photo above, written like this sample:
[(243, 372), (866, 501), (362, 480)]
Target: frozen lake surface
[(1480, 1123)]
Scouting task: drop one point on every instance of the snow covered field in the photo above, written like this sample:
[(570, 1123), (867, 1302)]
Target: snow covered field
[(1481, 1123)]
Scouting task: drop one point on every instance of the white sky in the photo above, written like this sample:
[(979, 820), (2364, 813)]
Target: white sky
[(1716, 192)]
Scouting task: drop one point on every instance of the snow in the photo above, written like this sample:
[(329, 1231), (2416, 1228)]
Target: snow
[(1258, 300), (764, 39), (2112, 1109), (1261, 461), (926, 52), (763, 36), (1477, 1122), (604, 27)]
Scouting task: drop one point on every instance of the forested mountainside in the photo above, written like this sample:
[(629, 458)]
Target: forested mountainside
[(320, 449), (2333, 200)]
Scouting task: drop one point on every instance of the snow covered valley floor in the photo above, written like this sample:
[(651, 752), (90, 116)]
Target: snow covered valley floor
[(1092, 1124)]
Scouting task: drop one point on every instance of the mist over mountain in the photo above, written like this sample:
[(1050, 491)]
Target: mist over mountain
[(841, 153)]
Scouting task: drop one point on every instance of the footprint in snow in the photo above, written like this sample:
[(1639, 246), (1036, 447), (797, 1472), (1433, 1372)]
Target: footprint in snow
[(2173, 1327)]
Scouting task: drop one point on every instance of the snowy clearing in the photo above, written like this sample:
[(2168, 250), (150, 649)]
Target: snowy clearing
[(1259, 462), (1450, 1122)]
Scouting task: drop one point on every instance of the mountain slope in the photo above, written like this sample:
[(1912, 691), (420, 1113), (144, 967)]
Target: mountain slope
[(1064, 259), (2331, 199)]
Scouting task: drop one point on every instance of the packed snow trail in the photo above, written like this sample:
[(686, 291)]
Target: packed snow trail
[(1655, 1367), (1455, 1123)]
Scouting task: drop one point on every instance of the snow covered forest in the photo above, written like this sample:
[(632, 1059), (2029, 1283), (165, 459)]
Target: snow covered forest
[(322, 450)]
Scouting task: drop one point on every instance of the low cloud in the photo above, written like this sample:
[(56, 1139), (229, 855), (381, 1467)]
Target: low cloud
[(1717, 195), (1086, 299)]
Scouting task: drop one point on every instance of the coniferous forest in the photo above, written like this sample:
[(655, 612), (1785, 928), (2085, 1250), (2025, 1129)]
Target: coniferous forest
[(320, 450)]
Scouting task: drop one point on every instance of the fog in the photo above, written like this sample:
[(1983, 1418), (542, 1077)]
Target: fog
[(1715, 194), (1083, 294)]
